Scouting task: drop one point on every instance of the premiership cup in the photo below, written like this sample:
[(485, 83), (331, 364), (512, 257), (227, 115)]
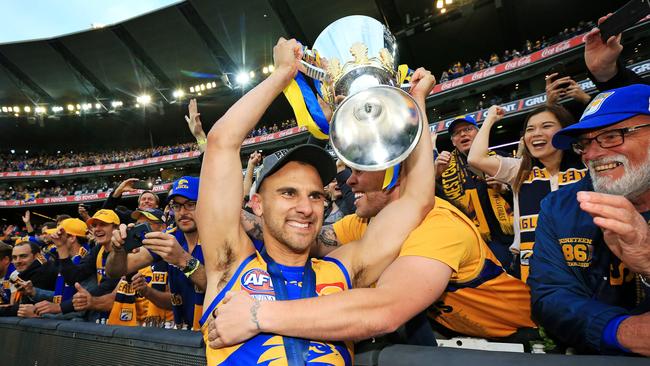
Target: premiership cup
[(375, 124)]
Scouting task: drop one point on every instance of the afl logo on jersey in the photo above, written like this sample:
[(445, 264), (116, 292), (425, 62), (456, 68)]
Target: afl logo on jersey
[(257, 281)]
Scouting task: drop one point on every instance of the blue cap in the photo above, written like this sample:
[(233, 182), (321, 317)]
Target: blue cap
[(606, 109), (466, 118), (187, 187)]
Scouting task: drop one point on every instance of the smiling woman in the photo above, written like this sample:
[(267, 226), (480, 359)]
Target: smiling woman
[(35, 19)]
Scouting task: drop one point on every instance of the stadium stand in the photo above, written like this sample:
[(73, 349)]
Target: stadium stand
[(70, 151)]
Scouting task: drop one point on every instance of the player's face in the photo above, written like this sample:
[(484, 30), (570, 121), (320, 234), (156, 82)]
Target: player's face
[(463, 135), (369, 198), (624, 169), (22, 257), (539, 133), (147, 200), (292, 204), (102, 232), (184, 218)]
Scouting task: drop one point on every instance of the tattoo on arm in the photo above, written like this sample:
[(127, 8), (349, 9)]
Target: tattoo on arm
[(252, 225), (254, 308), (327, 237)]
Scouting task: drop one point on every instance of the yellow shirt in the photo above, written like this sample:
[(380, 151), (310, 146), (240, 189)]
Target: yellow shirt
[(481, 299)]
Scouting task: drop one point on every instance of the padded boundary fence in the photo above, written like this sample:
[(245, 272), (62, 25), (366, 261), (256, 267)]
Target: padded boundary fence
[(43, 342)]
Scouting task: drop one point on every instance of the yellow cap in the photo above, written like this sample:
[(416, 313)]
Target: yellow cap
[(105, 216), (74, 227)]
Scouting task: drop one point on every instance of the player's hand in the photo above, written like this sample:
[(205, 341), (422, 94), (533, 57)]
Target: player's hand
[(236, 320), (286, 57), (422, 82), (625, 231)]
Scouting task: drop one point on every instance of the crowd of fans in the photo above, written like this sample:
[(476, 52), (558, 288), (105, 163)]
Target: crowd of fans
[(33, 190), (26, 162), (547, 239), (459, 69), (263, 130)]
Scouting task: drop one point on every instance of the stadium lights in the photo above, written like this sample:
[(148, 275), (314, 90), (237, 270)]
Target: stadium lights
[(86, 106), (178, 93), (208, 86), (251, 74), (116, 103), (214, 84), (40, 110), (13, 152), (57, 108), (265, 70), (98, 106), (70, 107), (449, 2), (271, 68), (242, 78), (439, 4), (137, 105), (27, 109), (443, 10), (191, 89), (5, 109), (202, 87), (143, 99), (16, 109)]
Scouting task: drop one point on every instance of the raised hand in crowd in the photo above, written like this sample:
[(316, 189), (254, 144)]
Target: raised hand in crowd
[(83, 212), (46, 307), (600, 57), (125, 186), (442, 162), (575, 92), (194, 124), (28, 223), (59, 241)]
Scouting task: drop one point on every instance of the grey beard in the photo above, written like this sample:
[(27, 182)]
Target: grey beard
[(634, 182)]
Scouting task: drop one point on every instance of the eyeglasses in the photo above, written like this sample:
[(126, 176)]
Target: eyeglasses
[(607, 139), (466, 129), (189, 206)]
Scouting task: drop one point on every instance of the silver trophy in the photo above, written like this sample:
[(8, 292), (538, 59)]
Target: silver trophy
[(375, 124)]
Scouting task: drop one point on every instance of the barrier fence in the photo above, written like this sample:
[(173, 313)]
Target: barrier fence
[(43, 342)]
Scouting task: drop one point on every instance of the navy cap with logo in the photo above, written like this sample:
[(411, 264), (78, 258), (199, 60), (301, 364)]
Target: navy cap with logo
[(152, 214), (313, 155), (466, 118), (606, 109), (187, 187)]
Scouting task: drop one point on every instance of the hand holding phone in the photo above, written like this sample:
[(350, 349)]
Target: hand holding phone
[(142, 184), (625, 17), (135, 236)]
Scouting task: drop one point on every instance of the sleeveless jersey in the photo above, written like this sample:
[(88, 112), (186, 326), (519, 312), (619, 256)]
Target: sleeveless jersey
[(269, 349)]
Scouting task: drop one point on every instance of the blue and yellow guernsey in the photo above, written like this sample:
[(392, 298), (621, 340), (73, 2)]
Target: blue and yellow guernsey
[(253, 277)]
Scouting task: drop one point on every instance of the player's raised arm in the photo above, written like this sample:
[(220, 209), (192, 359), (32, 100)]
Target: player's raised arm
[(381, 242), (220, 192)]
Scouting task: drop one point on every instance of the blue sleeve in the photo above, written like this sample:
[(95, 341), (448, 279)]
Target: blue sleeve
[(561, 302), (40, 294)]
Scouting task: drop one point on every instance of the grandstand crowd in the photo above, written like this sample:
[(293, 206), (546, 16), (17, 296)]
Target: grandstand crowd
[(459, 69), (549, 246)]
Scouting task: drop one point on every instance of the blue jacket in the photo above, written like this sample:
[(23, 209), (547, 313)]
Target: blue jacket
[(577, 284)]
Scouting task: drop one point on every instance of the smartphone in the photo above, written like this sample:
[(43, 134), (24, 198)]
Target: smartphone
[(142, 184), (559, 69), (625, 17), (135, 236)]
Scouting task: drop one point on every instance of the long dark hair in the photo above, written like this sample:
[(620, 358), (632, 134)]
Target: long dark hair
[(563, 116)]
